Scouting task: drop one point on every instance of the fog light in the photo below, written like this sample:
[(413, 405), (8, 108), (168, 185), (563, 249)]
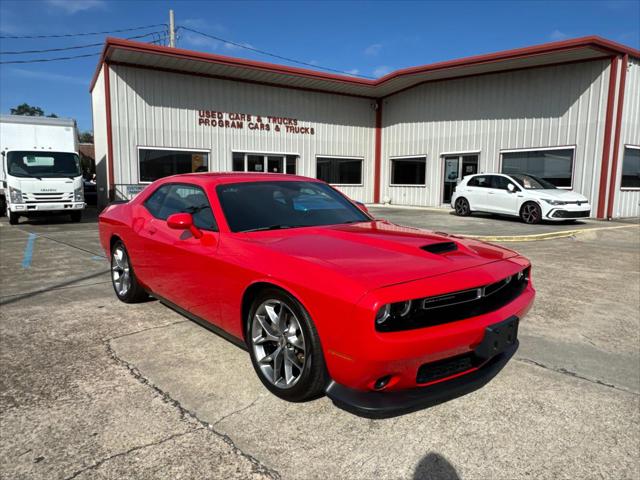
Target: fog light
[(382, 382)]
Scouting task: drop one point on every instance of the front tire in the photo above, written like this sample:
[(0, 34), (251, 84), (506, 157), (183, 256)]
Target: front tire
[(13, 218), (285, 347), (123, 278), (463, 209), (531, 213), (76, 216)]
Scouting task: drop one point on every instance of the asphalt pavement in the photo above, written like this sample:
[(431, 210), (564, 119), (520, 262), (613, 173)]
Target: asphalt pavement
[(93, 388)]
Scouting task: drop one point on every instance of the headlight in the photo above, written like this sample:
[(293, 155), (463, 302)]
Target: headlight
[(15, 195), (78, 194), (555, 202), (393, 311)]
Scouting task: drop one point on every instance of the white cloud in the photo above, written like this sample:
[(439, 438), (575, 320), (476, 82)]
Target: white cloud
[(381, 71), (558, 35), (198, 41), (48, 76), (373, 49), (353, 71), (201, 24), (75, 6), (314, 62), (231, 46)]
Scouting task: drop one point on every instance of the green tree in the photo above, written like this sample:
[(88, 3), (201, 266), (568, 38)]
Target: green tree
[(26, 109), (86, 137)]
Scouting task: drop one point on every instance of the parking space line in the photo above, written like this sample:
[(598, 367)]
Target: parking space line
[(28, 251), (542, 236)]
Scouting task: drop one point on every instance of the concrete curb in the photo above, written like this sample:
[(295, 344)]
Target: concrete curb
[(542, 236)]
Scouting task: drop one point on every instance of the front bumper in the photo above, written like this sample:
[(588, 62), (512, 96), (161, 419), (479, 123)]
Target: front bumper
[(28, 208), (370, 404), (566, 212)]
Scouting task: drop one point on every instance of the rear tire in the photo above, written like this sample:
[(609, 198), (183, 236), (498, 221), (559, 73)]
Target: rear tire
[(531, 213), (123, 278), (463, 209), (285, 347), (76, 216)]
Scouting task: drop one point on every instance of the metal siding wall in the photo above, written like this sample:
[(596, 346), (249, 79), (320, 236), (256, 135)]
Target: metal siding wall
[(542, 107), (99, 117), (159, 109), (627, 202)]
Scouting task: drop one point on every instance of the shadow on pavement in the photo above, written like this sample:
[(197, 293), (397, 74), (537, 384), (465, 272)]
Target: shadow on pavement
[(434, 466), (89, 215)]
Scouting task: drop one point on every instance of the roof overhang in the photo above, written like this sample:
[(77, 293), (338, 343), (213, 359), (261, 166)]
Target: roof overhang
[(143, 55)]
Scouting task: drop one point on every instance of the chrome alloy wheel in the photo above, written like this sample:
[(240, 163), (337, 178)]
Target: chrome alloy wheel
[(530, 213), (462, 207), (278, 343), (120, 271)]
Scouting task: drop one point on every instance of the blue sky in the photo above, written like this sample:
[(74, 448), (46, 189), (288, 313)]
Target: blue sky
[(364, 38)]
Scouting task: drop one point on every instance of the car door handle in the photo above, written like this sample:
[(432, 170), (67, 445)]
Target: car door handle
[(491, 193), (152, 230)]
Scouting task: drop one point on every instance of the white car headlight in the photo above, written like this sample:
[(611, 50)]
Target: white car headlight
[(555, 202), (15, 195), (78, 194)]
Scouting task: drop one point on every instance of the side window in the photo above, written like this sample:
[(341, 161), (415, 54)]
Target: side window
[(182, 198), (479, 181), (499, 182)]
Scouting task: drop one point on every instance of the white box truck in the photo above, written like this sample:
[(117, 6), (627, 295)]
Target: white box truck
[(41, 171)]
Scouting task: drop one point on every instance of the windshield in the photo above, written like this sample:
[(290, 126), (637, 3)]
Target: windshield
[(273, 205), (43, 164), (529, 182)]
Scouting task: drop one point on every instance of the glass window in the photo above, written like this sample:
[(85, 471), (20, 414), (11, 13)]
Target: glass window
[(554, 166), (291, 164), (238, 162), (501, 183), (182, 198), (631, 168), (339, 171), (408, 171), (155, 164), (271, 205), (43, 164), (479, 181)]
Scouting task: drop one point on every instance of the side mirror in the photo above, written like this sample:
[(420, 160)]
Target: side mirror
[(183, 221), (362, 207), (511, 187)]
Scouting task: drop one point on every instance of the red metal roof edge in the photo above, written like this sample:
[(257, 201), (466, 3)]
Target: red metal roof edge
[(591, 41)]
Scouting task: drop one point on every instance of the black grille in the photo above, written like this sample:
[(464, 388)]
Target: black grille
[(430, 372), (569, 214), (431, 311), (442, 247)]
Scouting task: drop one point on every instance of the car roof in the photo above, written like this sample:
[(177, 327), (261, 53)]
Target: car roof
[(218, 178)]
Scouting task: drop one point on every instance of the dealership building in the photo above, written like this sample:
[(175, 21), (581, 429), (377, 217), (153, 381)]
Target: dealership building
[(566, 111)]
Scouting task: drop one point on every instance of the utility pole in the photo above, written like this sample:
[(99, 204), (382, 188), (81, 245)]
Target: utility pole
[(172, 30)]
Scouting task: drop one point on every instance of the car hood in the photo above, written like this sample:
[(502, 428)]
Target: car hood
[(559, 194), (379, 253)]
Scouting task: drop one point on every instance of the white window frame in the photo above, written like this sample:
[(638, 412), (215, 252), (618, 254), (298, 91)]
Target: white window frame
[(544, 149), (627, 189), (264, 159), (170, 149), (404, 157), (346, 157)]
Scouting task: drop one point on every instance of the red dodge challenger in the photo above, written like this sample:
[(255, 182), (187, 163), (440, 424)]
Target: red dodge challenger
[(383, 319)]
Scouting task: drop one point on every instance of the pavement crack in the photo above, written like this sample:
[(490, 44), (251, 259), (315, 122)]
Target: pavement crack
[(100, 462), (186, 414), (564, 371), (146, 330), (239, 410)]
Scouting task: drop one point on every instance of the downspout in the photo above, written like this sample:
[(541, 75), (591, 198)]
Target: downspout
[(616, 139), (377, 152), (606, 148)]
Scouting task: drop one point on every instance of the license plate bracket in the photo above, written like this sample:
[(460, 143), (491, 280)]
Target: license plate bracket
[(498, 338)]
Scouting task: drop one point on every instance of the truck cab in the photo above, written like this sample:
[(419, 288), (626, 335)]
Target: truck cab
[(41, 172)]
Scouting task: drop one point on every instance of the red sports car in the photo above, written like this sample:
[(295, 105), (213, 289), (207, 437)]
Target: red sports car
[(383, 319)]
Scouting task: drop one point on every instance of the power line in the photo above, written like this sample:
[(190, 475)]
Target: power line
[(77, 46), (262, 52), (86, 33), (42, 60)]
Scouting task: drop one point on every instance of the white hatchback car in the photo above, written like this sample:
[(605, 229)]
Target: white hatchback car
[(531, 198)]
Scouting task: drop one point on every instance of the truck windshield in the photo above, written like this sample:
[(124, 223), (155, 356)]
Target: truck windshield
[(43, 164)]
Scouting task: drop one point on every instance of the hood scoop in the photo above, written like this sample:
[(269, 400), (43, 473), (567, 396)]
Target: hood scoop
[(440, 247)]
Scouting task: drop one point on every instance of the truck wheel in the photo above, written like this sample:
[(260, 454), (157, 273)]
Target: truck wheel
[(76, 216), (13, 218)]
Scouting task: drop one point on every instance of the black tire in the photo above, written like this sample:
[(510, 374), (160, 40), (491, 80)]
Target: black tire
[(134, 293), (13, 218), (531, 213), (313, 377), (76, 216), (462, 207)]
